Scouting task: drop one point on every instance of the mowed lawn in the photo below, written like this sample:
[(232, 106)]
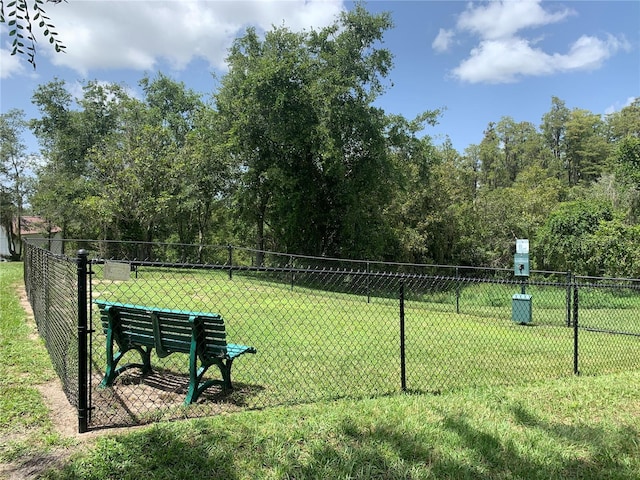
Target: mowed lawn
[(325, 343), (574, 427)]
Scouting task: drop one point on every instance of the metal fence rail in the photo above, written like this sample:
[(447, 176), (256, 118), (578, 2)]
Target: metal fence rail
[(323, 328)]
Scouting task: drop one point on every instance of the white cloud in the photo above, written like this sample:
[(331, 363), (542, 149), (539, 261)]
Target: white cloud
[(504, 54), (11, 65), (588, 52), (503, 19), (443, 41), (137, 34), (502, 61), (616, 107), (508, 60)]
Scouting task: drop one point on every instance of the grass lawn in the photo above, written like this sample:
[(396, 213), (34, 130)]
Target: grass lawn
[(325, 344), (576, 427)]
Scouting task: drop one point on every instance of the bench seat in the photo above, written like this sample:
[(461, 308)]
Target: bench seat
[(142, 328)]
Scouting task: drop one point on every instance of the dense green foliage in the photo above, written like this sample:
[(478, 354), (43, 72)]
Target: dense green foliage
[(291, 154)]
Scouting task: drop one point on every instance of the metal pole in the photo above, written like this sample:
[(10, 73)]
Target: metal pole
[(576, 370), (292, 276), (82, 342), (230, 248), (368, 283), (403, 366), (569, 299), (457, 290)]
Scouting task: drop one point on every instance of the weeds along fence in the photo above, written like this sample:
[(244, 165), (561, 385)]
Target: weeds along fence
[(323, 328)]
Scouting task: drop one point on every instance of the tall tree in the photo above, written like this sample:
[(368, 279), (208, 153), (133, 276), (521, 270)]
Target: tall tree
[(625, 122), (554, 127), (175, 109), (13, 179), (490, 158), (417, 212), (299, 115), (66, 135), (207, 178), (586, 147)]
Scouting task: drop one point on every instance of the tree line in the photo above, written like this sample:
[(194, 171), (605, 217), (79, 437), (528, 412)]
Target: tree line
[(290, 154)]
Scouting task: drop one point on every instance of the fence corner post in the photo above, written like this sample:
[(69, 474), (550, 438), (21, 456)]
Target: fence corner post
[(82, 341)]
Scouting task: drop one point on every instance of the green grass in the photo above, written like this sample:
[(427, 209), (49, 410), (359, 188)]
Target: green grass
[(314, 345), (577, 427), (25, 425)]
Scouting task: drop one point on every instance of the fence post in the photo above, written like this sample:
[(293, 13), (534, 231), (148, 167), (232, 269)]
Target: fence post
[(292, 275), (368, 283), (569, 283), (230, 248), (82, 342), (457, 290), (576, 370), (403, 366)]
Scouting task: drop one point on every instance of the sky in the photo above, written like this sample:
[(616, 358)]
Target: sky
[(476, 61)]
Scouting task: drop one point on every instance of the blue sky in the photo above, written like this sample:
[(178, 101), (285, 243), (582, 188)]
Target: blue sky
[(479, 61)]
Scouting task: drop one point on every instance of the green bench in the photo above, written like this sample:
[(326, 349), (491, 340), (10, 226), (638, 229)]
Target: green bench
[(140, 328)]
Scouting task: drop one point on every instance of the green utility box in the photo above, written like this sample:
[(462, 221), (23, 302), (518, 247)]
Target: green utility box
[(521, 308)]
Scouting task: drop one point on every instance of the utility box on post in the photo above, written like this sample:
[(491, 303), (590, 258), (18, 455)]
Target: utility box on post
[(521, 308), (521, 302)]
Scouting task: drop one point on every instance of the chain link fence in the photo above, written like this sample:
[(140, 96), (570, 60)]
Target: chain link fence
[(51, 283), (323, 328)]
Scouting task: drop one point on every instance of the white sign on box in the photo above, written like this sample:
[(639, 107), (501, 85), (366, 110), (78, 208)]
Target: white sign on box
[(522, 245)]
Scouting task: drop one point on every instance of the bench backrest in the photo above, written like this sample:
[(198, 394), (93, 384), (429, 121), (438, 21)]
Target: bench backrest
[(164, 329)]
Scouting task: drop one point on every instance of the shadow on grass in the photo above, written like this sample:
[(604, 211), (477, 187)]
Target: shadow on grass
[(285, 446), (588, 452)]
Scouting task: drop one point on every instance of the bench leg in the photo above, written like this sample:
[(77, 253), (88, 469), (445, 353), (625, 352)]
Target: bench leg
[(112, 361), (225, 371), (112, 370), (197, 386)]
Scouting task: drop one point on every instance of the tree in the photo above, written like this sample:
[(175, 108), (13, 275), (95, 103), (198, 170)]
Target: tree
[(172, 106), (66, 135), (13, 181), (626, 122), (507, 148), (176, 110), (565, 240), (21, 20), (417, 212), (309, 144), (586, 147), (554, 128), (489, 153), (628, 157)]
